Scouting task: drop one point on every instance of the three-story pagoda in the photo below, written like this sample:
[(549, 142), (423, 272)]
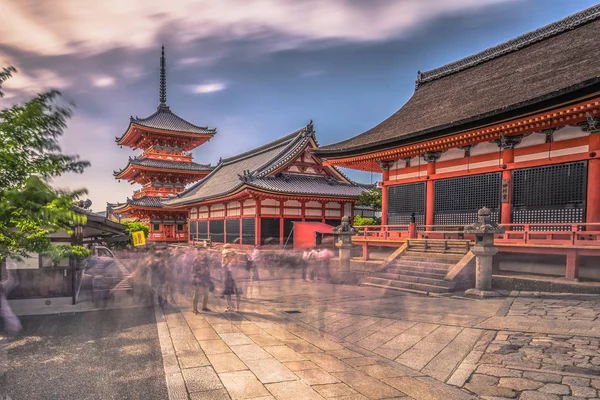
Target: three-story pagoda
[(163, 169)]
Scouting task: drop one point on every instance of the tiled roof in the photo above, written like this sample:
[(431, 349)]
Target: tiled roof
[(540, 66), (146, 201), (307, 185), (251, 167), (166, 119), (174, 165)]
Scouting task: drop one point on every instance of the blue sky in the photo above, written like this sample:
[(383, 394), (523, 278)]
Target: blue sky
[(256, 70)]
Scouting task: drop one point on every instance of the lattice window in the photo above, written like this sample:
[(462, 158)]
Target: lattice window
[(232, 230), (202, 230), (269, 228), (467, 193), (193, 230), (217, 231), (248, 230), (552, 185), (403, 200)]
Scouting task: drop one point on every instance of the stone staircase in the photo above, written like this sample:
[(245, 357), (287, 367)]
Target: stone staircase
[(422, 267)]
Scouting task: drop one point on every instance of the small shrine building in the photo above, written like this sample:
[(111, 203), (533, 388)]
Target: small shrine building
[(255, 197), (164, 168), (514, 128)]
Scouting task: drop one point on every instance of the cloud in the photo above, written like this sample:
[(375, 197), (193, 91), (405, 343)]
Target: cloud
[(208, 87), (68, 26), (32, 81), (103, 81)]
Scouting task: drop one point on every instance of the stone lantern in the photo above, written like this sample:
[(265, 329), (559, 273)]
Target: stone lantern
[(343, 241), (484, 230)]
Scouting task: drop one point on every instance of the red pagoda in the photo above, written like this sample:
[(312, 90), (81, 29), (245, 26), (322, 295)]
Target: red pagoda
[(164, 168)]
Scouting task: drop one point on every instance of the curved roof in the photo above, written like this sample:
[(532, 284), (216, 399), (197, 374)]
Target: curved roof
[(146, 201), (165, 164), (556, 60), (307, 185)]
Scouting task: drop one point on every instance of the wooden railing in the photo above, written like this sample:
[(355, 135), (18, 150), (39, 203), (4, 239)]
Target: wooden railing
[(585, 234)]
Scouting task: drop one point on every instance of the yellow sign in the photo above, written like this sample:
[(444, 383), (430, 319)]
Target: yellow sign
[(138, 238)]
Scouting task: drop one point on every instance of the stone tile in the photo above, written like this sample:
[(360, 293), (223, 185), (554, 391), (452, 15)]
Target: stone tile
[(225, 328), (265, 339), (191, 359), (328, 363), (360, 361), (292, 390), (270, 370), (427, 388), (316, 376), (250, 352), (583, 391), (219, 394), (226, 362), (406, 340), (301, 346), (300, 365), (385, 335), (366, 385), (576, 381), (284, 353), (520, 384), (542, 377), (251, 329), (243, 385), (214, 346), (234, 339), (490, 390), (596, 383), (446, 361), (498, 371), (382, 371), (531, 395), (205, 334), (419, 355), (201, 379), (335, 390), (344, 353), (555, 388)]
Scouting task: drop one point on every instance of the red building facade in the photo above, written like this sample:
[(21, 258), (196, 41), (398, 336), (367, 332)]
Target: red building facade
[(255, 197), (163, 169), (514, 128)]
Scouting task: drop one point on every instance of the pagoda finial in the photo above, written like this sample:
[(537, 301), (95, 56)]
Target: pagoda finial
[(163, 80)]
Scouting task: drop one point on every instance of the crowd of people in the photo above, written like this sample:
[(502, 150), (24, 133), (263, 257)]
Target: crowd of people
[(162, 274)]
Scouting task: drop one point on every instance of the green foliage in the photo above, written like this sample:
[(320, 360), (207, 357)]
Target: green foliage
[(135, 226), (58, 253), (371, 197), (360, 221), (30, 208)]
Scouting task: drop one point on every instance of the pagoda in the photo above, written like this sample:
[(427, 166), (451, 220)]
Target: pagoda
[(163, 169)]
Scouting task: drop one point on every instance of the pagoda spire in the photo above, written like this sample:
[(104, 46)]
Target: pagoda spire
[(163, 80)]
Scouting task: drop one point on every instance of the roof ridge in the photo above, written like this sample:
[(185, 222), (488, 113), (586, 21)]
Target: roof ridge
[(527, 39), (168, 110)]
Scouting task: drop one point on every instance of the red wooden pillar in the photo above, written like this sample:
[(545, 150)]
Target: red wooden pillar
[(385, 172), (429, 194), (281, 238), (508, 156), (572, 270), (257, 232), (593, 181)]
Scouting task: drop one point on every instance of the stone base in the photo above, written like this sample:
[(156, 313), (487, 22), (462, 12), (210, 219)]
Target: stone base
[(344, 278), (483, 294)]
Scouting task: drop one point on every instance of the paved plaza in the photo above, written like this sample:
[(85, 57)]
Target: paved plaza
[(296, 339), (303, 340)]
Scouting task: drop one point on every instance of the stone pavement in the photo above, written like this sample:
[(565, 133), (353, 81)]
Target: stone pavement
[(297, 339)]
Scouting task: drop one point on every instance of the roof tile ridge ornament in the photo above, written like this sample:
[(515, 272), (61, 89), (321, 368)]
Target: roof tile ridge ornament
[(553, 29), (419, 80), (162, 88), (309, 129)]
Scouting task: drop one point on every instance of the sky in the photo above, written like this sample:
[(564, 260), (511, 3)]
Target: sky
[(254, 69)]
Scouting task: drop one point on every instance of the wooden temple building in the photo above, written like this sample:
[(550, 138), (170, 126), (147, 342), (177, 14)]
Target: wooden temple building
[(164, 168), (515, 128), (255, 197)]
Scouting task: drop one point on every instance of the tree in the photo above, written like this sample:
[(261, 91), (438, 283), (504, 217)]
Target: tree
[(30, 155), (370, 197), (131, 226)]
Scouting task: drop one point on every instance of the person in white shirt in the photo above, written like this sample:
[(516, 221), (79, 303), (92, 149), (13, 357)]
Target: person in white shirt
[(308, 258), (254, 259)]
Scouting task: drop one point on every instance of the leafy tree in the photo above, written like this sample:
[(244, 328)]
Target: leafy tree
[(131, 226), (363, 221), (371, 197), (30, 155)]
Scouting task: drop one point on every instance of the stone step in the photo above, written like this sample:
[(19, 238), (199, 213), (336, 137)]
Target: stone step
[(409, 268), (414, 279), (427, 264), (395, 288), (437, 257), (392, 284), (433, 275)]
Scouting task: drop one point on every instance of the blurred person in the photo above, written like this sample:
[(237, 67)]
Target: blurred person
[(308, 257), (157, 279), (230, 288), (254, 258), (324, 257), (10, 321), (203, 283)]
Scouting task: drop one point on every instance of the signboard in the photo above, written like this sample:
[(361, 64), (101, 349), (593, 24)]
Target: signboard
[(505, 190), (138, 238)]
